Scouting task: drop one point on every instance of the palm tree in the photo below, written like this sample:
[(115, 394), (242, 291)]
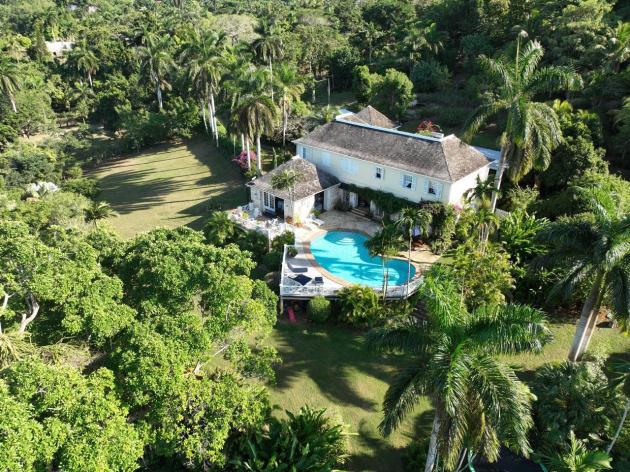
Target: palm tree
[(268, 46), (285, 180), (82, 97), (594, 249), (411, 218), (98, 211), (578, 458), (156, 63), (257, 115), (9, 80), (290, 88), (205, 54), (532, 130), (621, 379), (478, 400), (84, 60), (423, 38), (481, 193), (386, 243)]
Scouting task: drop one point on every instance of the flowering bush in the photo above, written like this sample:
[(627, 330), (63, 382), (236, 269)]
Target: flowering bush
[(428, 127), (241, 159)]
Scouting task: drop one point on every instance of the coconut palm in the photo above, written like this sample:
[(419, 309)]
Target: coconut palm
[(386, 243), (257, 115), (205, 55), (268, 46), (481, 193), (578, 458), (479, 402), (156, 63), (411, 218), (98, 211), (84, 60), (532, 129), (423, 38), (9, 80), (285, 180), (290, 88), (594, 248), (83, 97)]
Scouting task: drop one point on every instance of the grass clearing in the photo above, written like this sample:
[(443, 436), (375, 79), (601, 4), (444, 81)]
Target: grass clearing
[(169, 185), (330, 367)]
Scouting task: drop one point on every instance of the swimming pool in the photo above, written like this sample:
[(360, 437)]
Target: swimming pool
[(344, 255)]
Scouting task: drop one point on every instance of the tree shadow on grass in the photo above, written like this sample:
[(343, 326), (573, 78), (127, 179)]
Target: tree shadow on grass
[(332, 359), (379, 454)]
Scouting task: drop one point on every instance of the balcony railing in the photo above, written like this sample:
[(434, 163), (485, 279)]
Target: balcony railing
[(291, 288)]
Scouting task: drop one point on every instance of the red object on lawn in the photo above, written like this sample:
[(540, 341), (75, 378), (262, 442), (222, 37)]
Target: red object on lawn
[(291, 315)]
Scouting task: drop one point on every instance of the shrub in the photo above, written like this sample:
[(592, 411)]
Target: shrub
[(576, 397), (83, 186), (220, 230), (443, 223), (521, 198), (309, 438), (430, 76), (318, 309), (358, 305), (279, 241)]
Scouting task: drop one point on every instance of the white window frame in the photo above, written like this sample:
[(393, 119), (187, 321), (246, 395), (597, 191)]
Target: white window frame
[(408, 181), (269, 201), (379, 173)]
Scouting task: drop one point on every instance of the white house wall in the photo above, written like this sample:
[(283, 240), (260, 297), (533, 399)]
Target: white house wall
[(362, 174), (459, 188)]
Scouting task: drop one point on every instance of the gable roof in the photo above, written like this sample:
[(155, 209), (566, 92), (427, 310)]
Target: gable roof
[(310, 180), (447, 159), (371, 116)]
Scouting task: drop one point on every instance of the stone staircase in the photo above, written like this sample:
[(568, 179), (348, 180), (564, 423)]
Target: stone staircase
[(360, 211)]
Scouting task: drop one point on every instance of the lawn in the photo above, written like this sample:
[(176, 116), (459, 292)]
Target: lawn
[(169, 185), (330, 367)]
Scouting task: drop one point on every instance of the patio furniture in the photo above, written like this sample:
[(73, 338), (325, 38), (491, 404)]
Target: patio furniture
[(318, 281), (299, 270), (301, 279)]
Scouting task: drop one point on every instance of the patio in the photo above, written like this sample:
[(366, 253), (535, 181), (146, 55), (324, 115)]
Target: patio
[(301, 277)]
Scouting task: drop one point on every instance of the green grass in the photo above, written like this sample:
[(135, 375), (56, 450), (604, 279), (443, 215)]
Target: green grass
[(169, 185), (330, 367)]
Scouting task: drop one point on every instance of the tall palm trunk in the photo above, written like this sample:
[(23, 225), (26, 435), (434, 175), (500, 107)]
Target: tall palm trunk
[(158, 93), (409, 262), (258, 154), (249, 160), (242, 142), (89, 78), (13, 105), (432, 452), (588, 318), (214, 119), (271, 77), (203, 116), (285, 120), (499, 176), (620, 427), (210, 116)]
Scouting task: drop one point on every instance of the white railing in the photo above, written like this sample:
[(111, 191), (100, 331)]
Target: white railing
[(291, 288), (270, 228)]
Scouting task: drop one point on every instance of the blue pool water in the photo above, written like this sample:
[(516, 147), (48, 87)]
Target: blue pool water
[(343, 254)]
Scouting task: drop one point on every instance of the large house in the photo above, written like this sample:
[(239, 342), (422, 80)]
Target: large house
[(366, 149)]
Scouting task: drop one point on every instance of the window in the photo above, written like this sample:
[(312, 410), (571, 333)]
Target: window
[(408, 181), (348, 166), (433, 188), (379, 173), (268, 200)]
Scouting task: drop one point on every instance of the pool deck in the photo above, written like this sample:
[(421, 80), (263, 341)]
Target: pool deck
[(304, 263)]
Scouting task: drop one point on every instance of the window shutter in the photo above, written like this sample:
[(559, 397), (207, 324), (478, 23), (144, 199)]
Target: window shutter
[(425, 186), (414, 182), (382, 173), (402, 180), (438, 190)]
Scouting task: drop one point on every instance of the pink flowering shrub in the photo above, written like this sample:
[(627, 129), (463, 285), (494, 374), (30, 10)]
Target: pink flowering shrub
[(241, 159)]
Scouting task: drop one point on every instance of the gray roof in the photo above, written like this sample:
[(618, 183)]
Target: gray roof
[(447, 159), (310, 181), (371, 116)]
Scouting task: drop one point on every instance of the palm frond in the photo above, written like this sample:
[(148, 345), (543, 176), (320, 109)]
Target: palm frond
[(401, 396), (480, 117), (509, 329), (618, 279), (407, 337)]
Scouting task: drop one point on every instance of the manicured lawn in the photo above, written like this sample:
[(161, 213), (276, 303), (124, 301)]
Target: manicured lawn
[(330, 367), (169, 185)]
